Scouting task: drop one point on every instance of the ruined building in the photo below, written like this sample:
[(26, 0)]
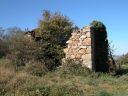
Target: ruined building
[(90, 46)]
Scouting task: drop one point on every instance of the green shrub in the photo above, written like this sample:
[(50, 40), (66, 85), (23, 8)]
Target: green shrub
[(56, 28), (74, 67), (104, 93), (23, 50)]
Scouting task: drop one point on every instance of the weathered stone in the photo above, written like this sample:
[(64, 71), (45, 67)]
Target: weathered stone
[(83, 47), (76, 37), (65, 50), (87, 64), (72, 56), (70, 51), (87, 41), (78, 56), (69, 41), (83, 37), (74, 43), (83, 57), (88, 50), (88, 34), (80, 44), (79, 47), (74, 47), (82, 51), (88, 57)]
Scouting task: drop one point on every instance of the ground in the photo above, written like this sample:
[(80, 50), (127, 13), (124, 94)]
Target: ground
[(61, 82)]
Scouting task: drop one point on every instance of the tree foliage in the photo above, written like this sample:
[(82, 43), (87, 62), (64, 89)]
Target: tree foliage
[(56, 28)]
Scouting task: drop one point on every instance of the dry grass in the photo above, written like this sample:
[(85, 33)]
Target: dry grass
[(58, 83)]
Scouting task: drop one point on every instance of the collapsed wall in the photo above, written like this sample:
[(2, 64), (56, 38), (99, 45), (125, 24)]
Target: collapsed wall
[(79, 46), (90, 45)]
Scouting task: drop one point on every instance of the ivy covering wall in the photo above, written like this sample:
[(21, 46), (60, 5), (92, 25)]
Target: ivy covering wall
[(100, 46)]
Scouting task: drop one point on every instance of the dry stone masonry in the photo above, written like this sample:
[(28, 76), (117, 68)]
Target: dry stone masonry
[(79, 46)]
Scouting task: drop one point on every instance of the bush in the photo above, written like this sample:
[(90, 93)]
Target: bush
[(74, 67), (3, 48), (22, 50), (104, 93), (36, 68)]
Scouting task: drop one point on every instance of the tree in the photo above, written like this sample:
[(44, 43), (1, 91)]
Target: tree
[(56, 28)]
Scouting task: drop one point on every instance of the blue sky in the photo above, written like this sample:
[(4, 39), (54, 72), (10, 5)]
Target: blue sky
[(113, 13)]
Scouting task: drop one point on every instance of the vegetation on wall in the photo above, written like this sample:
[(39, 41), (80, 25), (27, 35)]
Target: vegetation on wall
[(100, 46)]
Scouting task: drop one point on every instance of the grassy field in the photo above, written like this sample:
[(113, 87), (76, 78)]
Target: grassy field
[(71, 81)]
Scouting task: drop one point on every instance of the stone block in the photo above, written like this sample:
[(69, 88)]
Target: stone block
[(87, 41), (74, 47), (72, 56), (88, 34), (69, 41), (88, 57), (83, 37), (88, 50), (66, 50), (78, 56), (70, 44), (82, 51), (83, 46), (79, 46), (83, 57), (87, 64), (76, 37), (74, 43)]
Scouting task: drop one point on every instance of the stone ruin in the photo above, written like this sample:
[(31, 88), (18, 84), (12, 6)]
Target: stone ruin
[(79, 46), (89, 47)]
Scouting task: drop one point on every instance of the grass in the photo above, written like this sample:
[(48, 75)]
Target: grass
[(61, 82)]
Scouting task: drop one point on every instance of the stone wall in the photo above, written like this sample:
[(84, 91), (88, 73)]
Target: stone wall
[(79, 46)]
